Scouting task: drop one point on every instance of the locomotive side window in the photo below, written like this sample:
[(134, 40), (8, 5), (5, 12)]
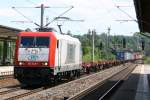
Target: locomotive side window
[(27, 42), (70, 53), (42, 41)]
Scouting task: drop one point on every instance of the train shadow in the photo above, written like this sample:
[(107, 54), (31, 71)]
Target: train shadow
[(125, 90)]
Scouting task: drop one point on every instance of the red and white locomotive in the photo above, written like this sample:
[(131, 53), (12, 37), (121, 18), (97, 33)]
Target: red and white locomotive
[(44, 56)]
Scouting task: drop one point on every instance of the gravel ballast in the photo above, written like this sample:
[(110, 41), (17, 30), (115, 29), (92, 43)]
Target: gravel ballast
[(70, 89)]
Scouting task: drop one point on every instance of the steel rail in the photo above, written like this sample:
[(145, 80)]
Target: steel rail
[(11, 90), (92, 88), (25, 94), (116, 84)]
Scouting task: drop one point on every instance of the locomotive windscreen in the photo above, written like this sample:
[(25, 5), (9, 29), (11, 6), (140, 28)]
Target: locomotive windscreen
[(42, 41), (33, 48), (34, 42), (27, 42)]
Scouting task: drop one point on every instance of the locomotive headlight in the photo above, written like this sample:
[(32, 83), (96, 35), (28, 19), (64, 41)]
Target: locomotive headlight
[(45, 63), (20, 63)]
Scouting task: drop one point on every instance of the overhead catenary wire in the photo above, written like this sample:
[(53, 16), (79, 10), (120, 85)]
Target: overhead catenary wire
[(126, 13), (148, 23), (110, 10), (31, 21), (112, 15), (24, 16), (127, 6), (133, 19), (60, 15), (23, 7), (53, 12), (14, 8), (29, 1), (118, 7), (72, 20), (22, 21), (66, 19), (107, 9)]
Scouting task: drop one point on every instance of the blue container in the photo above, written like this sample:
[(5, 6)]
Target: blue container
[(120, 56)]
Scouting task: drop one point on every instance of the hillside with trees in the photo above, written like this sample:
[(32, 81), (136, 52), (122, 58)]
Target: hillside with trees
[(106, 46)]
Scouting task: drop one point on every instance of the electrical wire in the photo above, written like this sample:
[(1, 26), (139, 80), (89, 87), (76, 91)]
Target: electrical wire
[(29, 1), (24, 16), (118, 7), (110, 10), (48, 9), (127, 14), (60, 15), (133, 18), (22, 7), (137, 21), (107, 10)]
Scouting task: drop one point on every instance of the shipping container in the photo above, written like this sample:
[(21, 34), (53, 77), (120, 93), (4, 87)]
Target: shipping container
[(138, 55), (124, 55), (119, 55), (128, 55)]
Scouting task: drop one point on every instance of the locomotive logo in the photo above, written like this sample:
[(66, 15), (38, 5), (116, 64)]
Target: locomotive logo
[(33, 55)]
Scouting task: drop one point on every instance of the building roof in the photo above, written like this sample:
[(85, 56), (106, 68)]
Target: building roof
[(10, 32), (142, 8)]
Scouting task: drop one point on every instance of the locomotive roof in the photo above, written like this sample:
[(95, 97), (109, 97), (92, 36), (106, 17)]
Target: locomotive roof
[(66, 37)]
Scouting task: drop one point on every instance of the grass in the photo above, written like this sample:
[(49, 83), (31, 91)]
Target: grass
[(147, 60)]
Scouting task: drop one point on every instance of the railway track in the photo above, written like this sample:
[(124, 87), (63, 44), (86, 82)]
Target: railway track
[(71, 89), (6, 90), (17, 93), (102, 91), (11, 92)]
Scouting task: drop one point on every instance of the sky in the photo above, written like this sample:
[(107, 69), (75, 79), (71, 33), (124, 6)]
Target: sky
[(97, 14)]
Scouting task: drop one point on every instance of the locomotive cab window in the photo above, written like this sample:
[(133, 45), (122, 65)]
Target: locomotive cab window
[(33, 42), (27, 42), (42, 42)]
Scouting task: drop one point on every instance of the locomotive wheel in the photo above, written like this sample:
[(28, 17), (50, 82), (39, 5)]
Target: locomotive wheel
[(88, 70), (78, 73), (57, 79)]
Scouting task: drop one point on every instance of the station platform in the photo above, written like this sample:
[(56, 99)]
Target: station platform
[(6, 70), (136, 86)]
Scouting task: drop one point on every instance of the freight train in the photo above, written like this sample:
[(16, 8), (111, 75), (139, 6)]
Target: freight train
[(43, 57), (128, 55)]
